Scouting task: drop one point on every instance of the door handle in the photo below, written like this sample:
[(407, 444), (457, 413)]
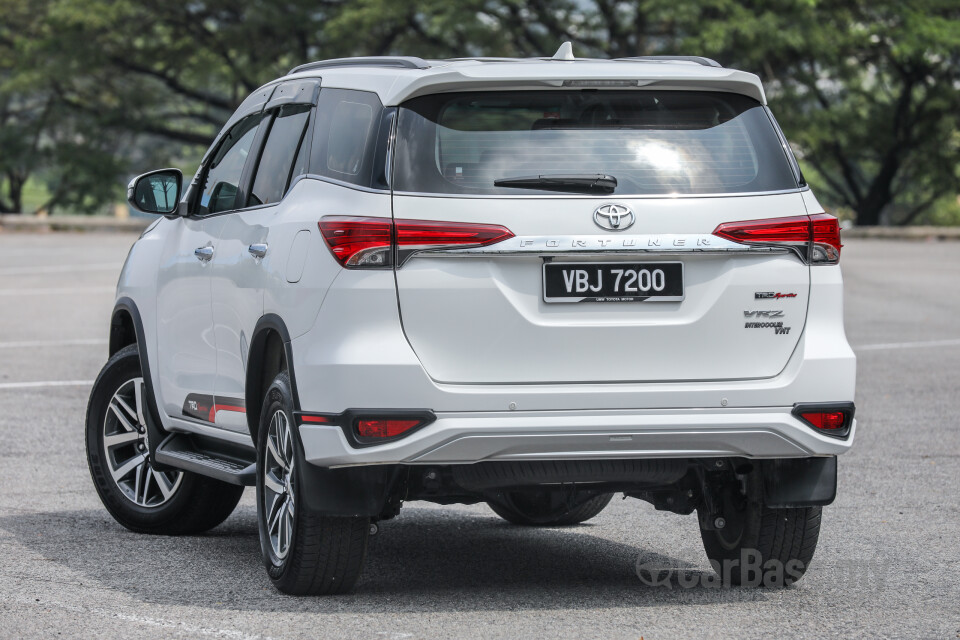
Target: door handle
[(257, 250), (204, 254)]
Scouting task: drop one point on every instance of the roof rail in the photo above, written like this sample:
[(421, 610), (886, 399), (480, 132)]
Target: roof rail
[(400, 62), (707, 62), (487, 59)]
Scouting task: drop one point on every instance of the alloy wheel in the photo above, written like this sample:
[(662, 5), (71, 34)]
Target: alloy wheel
[(278, 484), (126, 447)]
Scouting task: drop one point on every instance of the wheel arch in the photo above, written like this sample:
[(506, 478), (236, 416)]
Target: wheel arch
[(126, 328), (270, 353), (123, 331)]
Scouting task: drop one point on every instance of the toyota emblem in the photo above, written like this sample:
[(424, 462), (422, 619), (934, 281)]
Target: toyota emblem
[(614, 217)]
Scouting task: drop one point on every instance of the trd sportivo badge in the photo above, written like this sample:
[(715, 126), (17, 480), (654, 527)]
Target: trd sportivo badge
[(614, 217), (766, 295)]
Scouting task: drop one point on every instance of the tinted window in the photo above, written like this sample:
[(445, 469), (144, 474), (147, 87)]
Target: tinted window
[(379, 178), (653, 142), (302, 163), (349, 131), (222, 175), (279, 151), (345, 139)]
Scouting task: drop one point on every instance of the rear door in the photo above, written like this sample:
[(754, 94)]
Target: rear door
[(249, 246), (686, 305)]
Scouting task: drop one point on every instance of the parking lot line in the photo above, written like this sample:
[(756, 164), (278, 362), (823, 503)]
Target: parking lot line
[(22, 344), (45, 291), (45, 383), (160, 623), (909, 345), (59, 268)]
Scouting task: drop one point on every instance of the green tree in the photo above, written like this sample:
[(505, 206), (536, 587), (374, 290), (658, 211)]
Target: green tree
[(867, 91), (42, 137)]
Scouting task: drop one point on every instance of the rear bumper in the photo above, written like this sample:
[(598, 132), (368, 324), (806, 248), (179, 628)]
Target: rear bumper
[(462, 438), (361, 359)]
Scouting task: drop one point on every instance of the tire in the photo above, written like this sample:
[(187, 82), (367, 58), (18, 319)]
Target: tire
[(305, 553), (759, 545), (546, 508), (139, 497)]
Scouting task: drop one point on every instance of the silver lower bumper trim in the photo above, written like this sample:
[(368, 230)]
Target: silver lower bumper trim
[(463, 438)]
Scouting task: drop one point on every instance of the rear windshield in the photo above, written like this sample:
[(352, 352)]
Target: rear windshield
[(652, 142)]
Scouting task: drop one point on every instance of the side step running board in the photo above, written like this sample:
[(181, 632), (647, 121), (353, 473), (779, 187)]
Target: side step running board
[(208, 457)]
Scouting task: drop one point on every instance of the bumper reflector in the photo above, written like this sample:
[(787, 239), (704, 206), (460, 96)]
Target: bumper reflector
[(826, 419), (829, 419), (384, 427)]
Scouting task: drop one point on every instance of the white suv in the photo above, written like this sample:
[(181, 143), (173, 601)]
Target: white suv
[(532, 283)]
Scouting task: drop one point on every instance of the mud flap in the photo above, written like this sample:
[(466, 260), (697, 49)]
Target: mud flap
[(799, 482), (352, 491)]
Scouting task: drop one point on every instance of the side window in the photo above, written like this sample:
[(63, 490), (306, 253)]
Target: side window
[(345, 137), (279, 152), (302, 164), (349, 130), (380, 178), (222, 175)]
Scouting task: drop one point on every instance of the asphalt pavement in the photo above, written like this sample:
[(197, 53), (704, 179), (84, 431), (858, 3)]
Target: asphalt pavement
[(888, 562)]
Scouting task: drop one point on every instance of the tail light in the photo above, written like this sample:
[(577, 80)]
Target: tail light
[(358, 242), (828, 419), (815, 238), (825, 239), (373, 242)]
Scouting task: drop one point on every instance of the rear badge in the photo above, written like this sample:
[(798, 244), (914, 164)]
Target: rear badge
[(777, 327), (613, 217), (767, 295)]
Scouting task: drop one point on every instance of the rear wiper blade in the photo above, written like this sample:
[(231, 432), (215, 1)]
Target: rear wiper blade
[(582, 182)]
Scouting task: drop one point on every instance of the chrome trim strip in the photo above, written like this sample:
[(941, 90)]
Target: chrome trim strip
[(577, 196), (597, 245)]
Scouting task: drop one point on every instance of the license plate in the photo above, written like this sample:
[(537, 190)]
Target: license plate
[(613, 282)]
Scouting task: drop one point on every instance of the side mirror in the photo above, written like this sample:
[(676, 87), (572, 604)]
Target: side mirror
[(156, 192)]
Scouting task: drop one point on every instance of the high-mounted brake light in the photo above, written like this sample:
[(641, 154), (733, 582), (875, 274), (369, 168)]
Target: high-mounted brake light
[(369, 242), (815, 238)]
